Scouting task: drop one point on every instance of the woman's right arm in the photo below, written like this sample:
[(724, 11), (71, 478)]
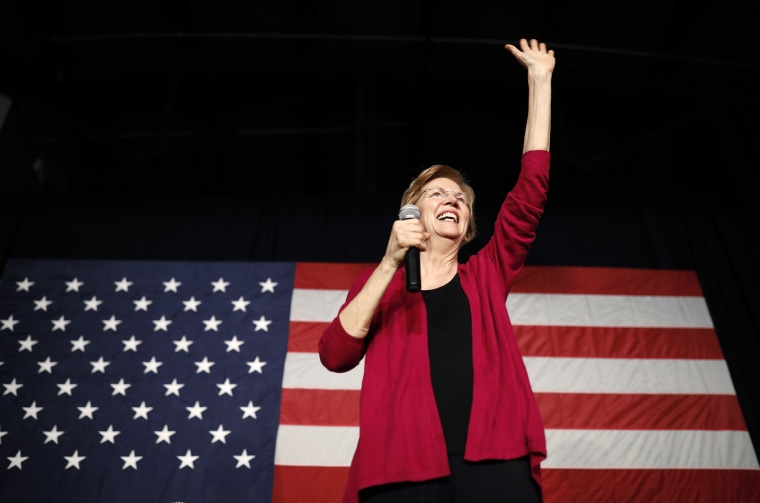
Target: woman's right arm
[(356, 317), (342, 344)]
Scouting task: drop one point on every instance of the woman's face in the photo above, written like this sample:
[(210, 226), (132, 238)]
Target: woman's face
[(444, 210)]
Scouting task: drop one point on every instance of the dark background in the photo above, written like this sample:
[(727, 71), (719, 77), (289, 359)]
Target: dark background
[(288, 130)]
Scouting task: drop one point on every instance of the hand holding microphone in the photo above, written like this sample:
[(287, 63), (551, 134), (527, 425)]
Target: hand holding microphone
[(412, 257)]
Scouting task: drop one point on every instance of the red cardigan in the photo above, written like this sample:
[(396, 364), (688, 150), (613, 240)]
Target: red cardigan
[(400, 433)]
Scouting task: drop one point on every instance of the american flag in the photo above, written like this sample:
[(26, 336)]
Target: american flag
[(141, 381), (199, 382)]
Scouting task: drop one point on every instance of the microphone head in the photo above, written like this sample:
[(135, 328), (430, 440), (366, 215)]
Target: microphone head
[(408, 211)]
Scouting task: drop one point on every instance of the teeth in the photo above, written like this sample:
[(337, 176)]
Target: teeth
[(448, 214)]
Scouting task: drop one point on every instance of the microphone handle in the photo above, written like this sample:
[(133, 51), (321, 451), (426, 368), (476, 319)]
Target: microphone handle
[(412, 266)]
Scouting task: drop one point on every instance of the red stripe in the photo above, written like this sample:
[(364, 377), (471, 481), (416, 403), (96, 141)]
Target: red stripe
[(618, 342), (640, 412), (647, 486), (607, 281), (304, 336), (534, 279), (327, 276), (299, 484), (296, 484), (559, 410), (320, 407), (578, 342)]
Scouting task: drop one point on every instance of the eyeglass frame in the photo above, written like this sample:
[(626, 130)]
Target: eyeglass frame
[(458, 195)]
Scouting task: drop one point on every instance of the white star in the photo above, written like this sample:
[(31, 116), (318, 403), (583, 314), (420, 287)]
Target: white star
[(244, 459), (13, 387), (240, 304), (43, 304), (256, 366), (141, 411), (79, 344), (26, 344), (108, 435), (173, 388), (131, 460), (24, 286), (187, 460), (162, 324), (268, 285), (110, 324), (142, 304), (32, 410), (74, 460), (52, 435), (192, 304), (2, 434), (8, 323), (226, 387), (46, 366), (220, 435), (182, 345), (17, 460), (120, 388), (123, 285), (250, 410), (152, 365), (66, 388), (204, 366), (164, 435), (220, 285), (131, 344), (212, 324), (92, 304), (171, 285), (196, 411), (60, 324), (99, 366), (262, 324), (73, 285), (87, 411), (234, 344)]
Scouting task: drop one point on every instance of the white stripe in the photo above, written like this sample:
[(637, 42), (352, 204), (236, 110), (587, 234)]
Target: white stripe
[(305, 371), (609, 311), (315, 445), (558, 375), (589, 449), (631, 449), (550, 309), (316, 305), (619, 375)]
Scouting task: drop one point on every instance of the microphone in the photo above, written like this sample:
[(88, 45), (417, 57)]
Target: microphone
[(412, 257)]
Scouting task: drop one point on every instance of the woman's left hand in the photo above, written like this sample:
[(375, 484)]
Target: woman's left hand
[(534, 55)]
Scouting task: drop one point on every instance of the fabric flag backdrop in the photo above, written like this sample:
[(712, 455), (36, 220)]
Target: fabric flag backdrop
[(199, 382)]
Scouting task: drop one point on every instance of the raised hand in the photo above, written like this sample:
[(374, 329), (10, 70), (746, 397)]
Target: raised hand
[(533, 55)]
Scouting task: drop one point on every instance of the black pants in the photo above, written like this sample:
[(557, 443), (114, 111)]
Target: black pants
[(482, 482)]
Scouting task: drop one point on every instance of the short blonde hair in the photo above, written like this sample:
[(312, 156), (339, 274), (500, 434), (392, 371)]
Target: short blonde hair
[(414, 192)]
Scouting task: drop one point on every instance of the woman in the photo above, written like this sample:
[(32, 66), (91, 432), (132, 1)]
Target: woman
[(447, 412)]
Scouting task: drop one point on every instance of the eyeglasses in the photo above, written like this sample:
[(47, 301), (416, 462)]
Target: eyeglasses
[(440, 193)]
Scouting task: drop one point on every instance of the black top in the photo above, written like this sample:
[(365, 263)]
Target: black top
[(450, 350)]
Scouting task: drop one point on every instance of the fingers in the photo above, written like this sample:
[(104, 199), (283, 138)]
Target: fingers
[(409, 233), (529, 45), (533, 55), (404, 235)]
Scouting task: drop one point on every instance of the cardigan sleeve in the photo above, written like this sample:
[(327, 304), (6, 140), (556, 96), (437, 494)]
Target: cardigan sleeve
[(338, 350), (520, 213)]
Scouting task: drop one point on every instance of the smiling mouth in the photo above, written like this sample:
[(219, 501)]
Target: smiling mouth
[(448, 217)]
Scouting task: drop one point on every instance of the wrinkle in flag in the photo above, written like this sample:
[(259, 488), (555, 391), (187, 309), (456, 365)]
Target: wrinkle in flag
[(209, 374)]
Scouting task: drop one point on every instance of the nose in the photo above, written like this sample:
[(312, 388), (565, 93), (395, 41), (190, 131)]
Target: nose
[(450, 198)]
